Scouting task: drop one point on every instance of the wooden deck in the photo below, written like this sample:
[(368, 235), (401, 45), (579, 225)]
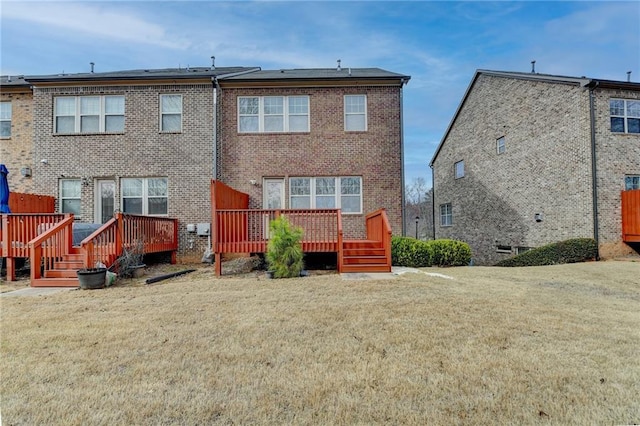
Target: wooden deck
[(47, 240), (631, 216), (238, 229)]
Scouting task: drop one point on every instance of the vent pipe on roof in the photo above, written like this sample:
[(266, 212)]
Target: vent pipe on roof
[(349, 71), (92, 65), (533, 67), (8, 79), (628, 76), (213, 62), (339, 67)]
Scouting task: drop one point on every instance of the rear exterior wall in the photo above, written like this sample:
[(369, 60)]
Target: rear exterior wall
[(326, 150), (185, 158), (16, 151)]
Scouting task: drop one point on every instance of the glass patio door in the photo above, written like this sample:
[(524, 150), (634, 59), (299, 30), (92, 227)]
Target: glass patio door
[(106, 200)]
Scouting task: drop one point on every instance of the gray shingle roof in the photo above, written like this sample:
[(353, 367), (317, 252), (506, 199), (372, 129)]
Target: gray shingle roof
[(319, 74), (165, 73)]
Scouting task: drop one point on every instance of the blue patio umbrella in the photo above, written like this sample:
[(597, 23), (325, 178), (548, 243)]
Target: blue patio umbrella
[(4, 190)]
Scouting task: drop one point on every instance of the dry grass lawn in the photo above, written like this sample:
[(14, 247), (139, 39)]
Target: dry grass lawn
[(556, 344)]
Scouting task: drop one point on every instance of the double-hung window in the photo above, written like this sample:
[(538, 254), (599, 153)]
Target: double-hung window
[(326, 193), (625, 115), (171, 113), (70, 196), (355, 113), (273, 114), (5, 119), (446, 215), (147, 196), (89, 114), (631, 182)]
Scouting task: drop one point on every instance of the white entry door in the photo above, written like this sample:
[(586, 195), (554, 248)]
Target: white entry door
[(105, 200), (273, 197)]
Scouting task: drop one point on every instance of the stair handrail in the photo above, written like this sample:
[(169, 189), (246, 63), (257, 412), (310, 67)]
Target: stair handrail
[(340, 259), (103, 245), (58, 239), (385, 228)]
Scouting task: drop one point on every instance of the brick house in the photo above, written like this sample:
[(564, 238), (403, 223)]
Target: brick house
[(529, 159), (150, 141), (16, 131)]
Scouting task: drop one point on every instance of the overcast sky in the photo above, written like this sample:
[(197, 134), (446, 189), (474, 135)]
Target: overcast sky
[(439, 44)]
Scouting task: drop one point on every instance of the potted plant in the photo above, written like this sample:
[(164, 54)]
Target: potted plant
[(92, 278)]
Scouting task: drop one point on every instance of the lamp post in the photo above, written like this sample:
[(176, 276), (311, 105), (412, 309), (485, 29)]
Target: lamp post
[(417, 219)]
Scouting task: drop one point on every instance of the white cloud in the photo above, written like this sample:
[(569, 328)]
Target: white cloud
[(92, 19)]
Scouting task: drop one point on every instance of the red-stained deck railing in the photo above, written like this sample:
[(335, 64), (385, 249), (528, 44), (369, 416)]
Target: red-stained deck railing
[(136, 233), (16, 230), (379, 229), (50, 247), (631, 216)]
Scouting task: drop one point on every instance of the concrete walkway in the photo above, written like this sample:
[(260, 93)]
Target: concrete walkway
[(36, 291), (396, 271)]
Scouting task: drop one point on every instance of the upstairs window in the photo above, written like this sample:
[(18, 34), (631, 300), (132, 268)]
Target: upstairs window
[(5, 119), (171, 113), (631, 182), (326, 193), (446, 215), (500, 145), (70, 196), (273, 114), (88, 114), (459, 169), (625, 115), (148, 196), (355, 113)]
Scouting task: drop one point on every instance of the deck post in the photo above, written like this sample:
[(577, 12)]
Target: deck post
[(11, 268), (218, 263)]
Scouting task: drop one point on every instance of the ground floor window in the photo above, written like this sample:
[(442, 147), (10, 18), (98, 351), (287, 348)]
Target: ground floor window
[(70, 196), (631, 182), (148, 196), (326, 193), (446, 215)]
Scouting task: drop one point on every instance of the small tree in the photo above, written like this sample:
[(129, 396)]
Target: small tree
[(284, 251)]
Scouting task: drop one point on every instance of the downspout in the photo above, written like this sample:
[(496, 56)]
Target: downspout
[(594, 181), (433, 201), (402, 196), (215, 127)]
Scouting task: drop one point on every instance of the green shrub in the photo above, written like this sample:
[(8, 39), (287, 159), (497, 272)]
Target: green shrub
[(450, 253), (407, 251), (569, 251), (284, 251)]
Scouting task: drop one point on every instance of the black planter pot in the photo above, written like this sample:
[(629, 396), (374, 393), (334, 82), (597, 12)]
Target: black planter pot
[(91, 279)]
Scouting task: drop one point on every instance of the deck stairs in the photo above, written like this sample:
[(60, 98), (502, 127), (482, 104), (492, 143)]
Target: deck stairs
[(365, 256), (63, 273)]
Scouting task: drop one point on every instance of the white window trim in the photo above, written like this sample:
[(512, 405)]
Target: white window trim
[(285, 114), (162, 113), (338, 195), (7, 119), (365, 113), (455, 170), (77, 216), (501, 145), (78, 115), (625, 117), (446, 214), (145, 195)]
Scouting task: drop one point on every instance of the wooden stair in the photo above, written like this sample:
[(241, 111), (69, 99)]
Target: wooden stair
[(364, 256), (63, 274)]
